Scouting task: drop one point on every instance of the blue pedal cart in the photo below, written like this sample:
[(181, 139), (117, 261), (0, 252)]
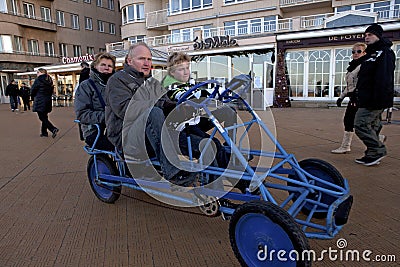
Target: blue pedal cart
[(285, 200)]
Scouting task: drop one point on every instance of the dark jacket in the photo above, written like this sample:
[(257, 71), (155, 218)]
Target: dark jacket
[(375, 86), (41, 91), (120, 89), (25, 92), (84, 75), (88, 107), (12, 90)]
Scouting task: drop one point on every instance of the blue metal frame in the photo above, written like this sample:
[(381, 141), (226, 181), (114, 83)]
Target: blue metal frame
[(274, 177)]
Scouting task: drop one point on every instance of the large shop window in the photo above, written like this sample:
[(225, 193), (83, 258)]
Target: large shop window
[(342, 59), (318, 73), (295, 69)]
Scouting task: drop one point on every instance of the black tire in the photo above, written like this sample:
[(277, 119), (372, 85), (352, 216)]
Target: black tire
[(257, 225), (324, 171), (106, 193)]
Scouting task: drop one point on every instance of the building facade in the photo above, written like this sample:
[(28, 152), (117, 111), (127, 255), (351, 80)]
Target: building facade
[(45, 32), (295, 49)]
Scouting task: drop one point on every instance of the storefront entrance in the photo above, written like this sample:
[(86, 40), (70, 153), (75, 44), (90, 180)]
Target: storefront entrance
[(3, 85)]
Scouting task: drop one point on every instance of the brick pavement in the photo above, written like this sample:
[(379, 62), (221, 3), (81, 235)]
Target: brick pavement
[(50, 217)]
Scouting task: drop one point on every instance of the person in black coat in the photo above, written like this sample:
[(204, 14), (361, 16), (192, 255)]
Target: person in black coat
[(374, 92), (13, 91), (42, 90), (85, 72), (26, 95)]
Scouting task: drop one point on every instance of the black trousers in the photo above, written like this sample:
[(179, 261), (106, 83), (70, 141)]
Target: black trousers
[(46, 124), (349, 116), (27, 104)]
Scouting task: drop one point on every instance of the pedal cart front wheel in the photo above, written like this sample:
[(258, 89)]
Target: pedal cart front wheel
[(257, 228), (326, 172), (105, 193)]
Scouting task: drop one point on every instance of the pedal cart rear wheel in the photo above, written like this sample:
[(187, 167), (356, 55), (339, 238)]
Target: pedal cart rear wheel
[(105, 193), (257, 228), (325, 171)]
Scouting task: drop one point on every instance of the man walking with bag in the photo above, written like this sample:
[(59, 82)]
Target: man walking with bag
[(374, 91)]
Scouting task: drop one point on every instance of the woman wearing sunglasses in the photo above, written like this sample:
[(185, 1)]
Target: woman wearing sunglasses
[(358, 52)]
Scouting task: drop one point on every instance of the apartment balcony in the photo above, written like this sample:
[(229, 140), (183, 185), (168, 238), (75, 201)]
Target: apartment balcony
[(24, 56), (157, 19), (28, 21)]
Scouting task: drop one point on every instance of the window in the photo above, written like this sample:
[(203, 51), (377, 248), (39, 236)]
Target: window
[(45, 12), (111, 4), (269, 24), (318, 73), (100, 25), (101, 50), (112, 28), (255, 26), (136, 39), (18, 44), (63, 50), (343, 8), (133, 13), (49, 48), (364, 7), (88, 24), (77, 50), (295, 67), (99, 3), (29, 10), (6, 44), (383, 9), (342, 58), (188, 5), (74, 21), (235, 1), (87, 1), (60, 18), (14, 7), (90, 50), (33, 47), (3, 6)]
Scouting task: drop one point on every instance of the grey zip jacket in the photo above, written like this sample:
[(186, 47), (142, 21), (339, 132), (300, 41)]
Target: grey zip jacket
[(129, 99)]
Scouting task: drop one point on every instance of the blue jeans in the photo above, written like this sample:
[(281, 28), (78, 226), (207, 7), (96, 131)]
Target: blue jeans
[(153, 131), (367, 125), (14, 102)]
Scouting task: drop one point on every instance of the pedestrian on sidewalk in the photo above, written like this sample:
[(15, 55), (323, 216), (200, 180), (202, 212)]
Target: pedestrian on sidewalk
[(26, 96), (375, 92), (13, 91), (42, 90), (358, 52)]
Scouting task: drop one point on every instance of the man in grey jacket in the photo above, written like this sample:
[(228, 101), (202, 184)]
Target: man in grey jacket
[(135, 113)]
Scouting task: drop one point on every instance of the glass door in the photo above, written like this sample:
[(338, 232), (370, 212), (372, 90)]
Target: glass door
[(3, 85)]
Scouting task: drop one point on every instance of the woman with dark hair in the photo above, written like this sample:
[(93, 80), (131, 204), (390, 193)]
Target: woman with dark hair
[(41, 91)]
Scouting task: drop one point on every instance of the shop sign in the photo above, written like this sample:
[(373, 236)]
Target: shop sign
[(183, 48), (87, 57), (214, 42), (346, 37)]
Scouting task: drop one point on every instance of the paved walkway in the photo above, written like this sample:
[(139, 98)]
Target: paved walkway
[(50, 217)]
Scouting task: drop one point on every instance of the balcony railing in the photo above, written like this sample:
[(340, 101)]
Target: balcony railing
[(29, 21), (157, 19), (282, 25), (298, 2)]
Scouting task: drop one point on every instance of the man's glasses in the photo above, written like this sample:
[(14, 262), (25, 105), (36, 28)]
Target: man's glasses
[(356, 51)]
